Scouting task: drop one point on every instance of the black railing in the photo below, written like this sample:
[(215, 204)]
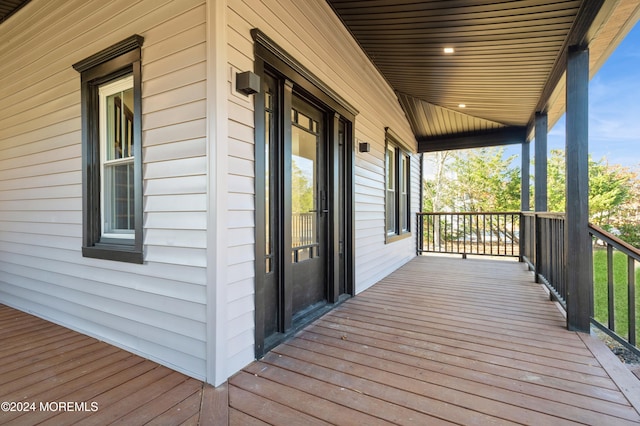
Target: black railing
[(616, 302), (489, 234), (543, 250), (620, 290), (538, 239)]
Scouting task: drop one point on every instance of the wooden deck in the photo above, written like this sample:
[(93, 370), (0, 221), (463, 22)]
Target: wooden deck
[(51, 375), (439, 341)]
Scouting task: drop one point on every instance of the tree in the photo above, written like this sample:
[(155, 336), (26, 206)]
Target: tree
[(609, 187), (435, 189), (485, 180), (301, 190)]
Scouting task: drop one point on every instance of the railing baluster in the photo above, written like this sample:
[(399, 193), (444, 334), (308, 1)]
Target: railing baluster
[(633, 256), (631, 297), (610, 290)]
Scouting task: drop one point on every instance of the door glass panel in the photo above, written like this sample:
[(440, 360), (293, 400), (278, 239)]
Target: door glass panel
[(304, 209), (268, 135)]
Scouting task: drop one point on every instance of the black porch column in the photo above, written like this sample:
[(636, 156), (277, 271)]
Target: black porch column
[(579, 266), (525, 204), (541, 163)]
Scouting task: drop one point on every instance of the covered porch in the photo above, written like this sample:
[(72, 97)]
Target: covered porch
[(441, 340)]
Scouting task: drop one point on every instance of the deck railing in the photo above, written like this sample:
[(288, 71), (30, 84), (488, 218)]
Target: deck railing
[(615, 292), (543, 250), (490, 234), (538, 239)]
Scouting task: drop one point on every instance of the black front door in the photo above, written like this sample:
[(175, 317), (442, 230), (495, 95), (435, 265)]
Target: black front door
[(309, 208), (304, 238), (297, 213)]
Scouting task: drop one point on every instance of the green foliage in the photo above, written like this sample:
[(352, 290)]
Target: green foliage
[(630, 233), (608, 187), (600, 289), (301, 190), (474, 180), (555, 181)]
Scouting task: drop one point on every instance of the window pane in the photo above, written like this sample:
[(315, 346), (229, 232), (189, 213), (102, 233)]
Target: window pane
[(119, 125), (404, 179), (117, 158), (391, 193), (119, 198), (303, 187), (267, 188), (391, 212), (391, 168)]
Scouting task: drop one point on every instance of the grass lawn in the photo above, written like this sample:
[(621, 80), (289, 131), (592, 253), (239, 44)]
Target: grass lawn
[(620, 291)]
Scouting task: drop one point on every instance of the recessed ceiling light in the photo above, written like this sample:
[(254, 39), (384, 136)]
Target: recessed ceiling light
[(462, 105), (449, 50)]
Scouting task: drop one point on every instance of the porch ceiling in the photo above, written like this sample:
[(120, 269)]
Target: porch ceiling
[(509, 60), (9, 7)]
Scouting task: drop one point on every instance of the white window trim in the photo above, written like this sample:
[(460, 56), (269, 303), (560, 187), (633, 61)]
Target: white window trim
[(105, 91)]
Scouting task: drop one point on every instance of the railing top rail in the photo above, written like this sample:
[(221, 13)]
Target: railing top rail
[(546, 215), (616, 242), (463, 213)]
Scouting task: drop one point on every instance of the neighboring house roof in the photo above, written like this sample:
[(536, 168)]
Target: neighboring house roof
[(9, 7), (508, 64)]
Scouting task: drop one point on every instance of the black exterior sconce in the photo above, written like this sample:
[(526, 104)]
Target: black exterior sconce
[(364, 147), (247, 83)]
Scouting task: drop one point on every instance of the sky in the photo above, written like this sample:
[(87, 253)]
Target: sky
[(614, 109)]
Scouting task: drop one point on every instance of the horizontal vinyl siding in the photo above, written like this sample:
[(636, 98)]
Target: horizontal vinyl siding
[(156, 309), (313, 35)]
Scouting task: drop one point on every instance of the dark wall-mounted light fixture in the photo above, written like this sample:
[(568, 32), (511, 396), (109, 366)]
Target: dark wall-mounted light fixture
[(247, 82), (364, 147)]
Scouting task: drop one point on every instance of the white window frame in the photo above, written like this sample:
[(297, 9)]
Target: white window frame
[(104, 92)]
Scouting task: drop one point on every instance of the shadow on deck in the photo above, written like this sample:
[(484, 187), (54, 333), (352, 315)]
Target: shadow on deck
[(441, 340)]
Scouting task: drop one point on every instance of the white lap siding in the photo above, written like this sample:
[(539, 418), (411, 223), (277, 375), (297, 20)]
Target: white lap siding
[(157, 309), (311, 33)]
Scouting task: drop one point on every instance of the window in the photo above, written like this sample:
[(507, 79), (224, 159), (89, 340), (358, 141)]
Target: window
[(397, 193), (117, 159), (112, 152)]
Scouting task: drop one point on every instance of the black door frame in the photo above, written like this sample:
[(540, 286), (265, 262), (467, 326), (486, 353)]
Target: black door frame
[(270, 58)]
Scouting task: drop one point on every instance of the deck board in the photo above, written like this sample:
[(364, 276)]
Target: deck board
[(439, 341), (44, 362)]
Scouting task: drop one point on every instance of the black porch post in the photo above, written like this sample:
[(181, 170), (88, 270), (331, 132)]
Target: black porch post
[(540, 198), (525, 204), (579, 266)]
